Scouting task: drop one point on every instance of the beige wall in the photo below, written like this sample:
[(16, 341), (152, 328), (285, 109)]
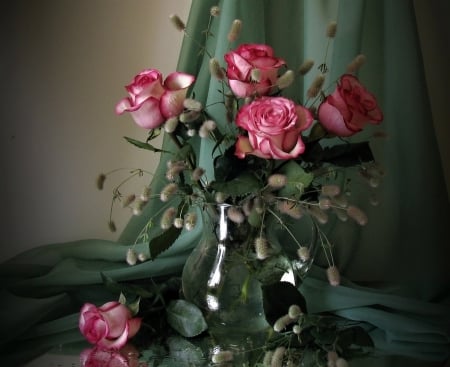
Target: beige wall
[(64, 68)]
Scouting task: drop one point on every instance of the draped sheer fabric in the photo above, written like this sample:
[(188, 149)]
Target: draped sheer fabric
[(395, 268)]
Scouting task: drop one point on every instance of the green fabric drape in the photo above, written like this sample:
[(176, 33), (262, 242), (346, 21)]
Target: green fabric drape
[(397, 263)]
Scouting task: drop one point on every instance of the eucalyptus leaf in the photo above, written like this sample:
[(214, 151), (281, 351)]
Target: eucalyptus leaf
[(186, 318), (297, 179)]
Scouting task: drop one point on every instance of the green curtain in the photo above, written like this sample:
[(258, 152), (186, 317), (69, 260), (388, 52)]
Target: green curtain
[(395, 268)]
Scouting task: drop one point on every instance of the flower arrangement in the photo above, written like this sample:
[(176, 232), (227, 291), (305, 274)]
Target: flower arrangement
[(275, 162)]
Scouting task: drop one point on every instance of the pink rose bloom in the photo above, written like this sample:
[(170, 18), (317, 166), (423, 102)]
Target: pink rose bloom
[(349, 108), (97, 357), (274, 125), (243, 60), (151, 101), (108, 326)]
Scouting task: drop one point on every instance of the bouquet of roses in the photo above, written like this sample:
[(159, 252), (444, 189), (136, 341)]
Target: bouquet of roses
[(272, 157)]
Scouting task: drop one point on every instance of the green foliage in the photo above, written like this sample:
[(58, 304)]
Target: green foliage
[(185, 318), (297, 180), (241, 185)]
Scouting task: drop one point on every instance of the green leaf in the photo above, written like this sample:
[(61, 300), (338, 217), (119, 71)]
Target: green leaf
[(297, 179), (186, 318), (185, 354), (243, 184), (162, 242), (350, 154), (142, 145)]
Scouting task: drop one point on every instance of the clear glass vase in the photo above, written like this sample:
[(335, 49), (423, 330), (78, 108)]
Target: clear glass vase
[(217, 276), (224, 277)]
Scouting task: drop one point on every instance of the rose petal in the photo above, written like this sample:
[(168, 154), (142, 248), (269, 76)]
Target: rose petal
[(243, 147), (171, 102), (148, 114), (116, 343), (332, 120), (116, 317), (134, 325), (177, 80)]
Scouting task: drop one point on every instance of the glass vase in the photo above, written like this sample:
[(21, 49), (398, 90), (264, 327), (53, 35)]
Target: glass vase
[(224, 277)]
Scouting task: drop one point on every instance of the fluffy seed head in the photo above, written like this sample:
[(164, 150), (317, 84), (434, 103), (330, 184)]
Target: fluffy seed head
[(303, 253), (177, 22), (99, 182), (189, 116), (178, 222), (131, 257), (318, 214), (138, 207), (173, 172), (216, 70), (334, 278), (142, 257), (277, 357), (190, 220), (316, 86), (281, 323), (214, 11), (356, 63), (305, 66), (128, 200), (286, 79), (235, 30), (168, 191), (357, 215), (341, 214), (145, 195), (112, 226), (171, 124), (192, 104), (167, 218), (331, 29), (277, 181), (235, 214), (197, 173), (330, 190), (255, 75), (289, 208), (294, 312), (220, 197), (340, 201), (262, 248), (324, 203)]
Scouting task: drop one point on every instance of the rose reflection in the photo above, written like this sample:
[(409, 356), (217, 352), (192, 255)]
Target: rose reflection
[(128, 356)]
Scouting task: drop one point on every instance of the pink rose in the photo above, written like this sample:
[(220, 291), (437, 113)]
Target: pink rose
[(97, 357), (108, 326), (349, 108), (243, 60), (274, 125), (151, 101)]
